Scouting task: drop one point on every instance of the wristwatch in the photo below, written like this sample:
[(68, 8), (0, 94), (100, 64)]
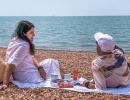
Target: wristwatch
[(40, 67)]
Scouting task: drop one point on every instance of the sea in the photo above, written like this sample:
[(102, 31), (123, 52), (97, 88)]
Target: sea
[(72, 33)]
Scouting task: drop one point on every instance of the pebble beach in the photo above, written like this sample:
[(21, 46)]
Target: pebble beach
[(69, 60)]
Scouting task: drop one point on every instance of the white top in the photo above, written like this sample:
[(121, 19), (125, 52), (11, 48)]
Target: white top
[(18, 53)]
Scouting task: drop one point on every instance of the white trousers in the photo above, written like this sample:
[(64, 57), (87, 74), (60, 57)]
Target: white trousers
[(51, 66)]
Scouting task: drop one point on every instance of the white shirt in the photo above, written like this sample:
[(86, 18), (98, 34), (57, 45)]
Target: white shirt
[(18, 53)]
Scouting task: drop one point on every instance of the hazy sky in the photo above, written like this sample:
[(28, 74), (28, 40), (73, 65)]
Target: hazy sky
[(64, 7)]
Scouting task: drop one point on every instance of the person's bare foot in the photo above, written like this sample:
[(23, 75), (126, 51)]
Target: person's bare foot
[(3, 87), (89, 84)]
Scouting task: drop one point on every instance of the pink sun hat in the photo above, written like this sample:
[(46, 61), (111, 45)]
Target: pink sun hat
[(105, 41)]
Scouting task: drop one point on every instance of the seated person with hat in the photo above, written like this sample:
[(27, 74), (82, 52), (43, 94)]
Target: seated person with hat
[(109, 68)]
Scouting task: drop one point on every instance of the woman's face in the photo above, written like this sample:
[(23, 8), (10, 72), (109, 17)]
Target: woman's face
[(30, 34), (100, 52)]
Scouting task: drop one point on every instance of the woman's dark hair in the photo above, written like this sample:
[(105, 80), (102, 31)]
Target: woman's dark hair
[(22, 28)]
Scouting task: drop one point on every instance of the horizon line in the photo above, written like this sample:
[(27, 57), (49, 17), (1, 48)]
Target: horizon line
[(56, 16)]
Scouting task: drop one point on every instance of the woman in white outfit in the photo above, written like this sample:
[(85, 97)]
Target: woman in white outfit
[(20, 61)]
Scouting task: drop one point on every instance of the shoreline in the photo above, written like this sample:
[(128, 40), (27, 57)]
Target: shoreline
[(62, 50), (56, 50)]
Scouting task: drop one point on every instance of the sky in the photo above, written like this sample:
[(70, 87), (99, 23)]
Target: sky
[(64, 7)]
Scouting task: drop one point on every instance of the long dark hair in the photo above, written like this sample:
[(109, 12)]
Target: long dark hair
[(22, 28)]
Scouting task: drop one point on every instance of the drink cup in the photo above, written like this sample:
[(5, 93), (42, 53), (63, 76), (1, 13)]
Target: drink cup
[(54, 77), (67, 77)]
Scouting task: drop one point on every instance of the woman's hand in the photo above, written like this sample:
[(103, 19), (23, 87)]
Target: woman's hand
[(103, 69), (42, 72), (40, 69)]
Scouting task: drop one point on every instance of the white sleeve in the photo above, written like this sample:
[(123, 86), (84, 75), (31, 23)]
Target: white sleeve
[(18, 55)]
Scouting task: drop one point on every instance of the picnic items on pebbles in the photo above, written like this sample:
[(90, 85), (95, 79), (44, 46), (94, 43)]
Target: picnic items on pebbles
[(70, 80)]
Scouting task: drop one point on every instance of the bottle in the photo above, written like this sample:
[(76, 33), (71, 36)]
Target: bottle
[(75, 75)]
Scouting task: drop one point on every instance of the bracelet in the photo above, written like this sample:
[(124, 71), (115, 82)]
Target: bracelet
[(40, 67)]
